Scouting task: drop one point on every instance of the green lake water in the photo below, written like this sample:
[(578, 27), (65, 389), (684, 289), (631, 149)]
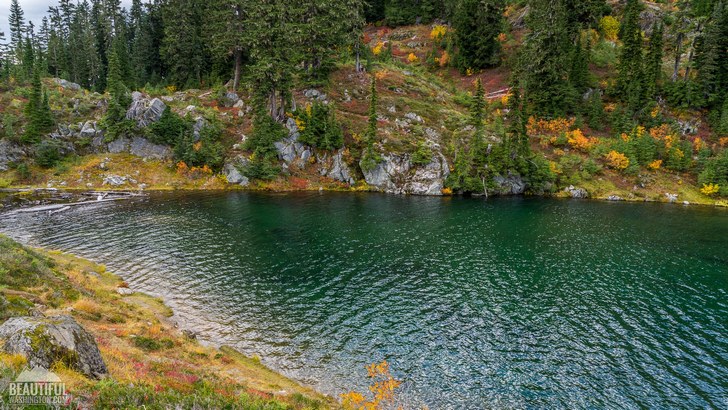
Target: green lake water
[(505, 303)]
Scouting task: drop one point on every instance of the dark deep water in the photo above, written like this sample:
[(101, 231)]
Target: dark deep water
[(508, 303)]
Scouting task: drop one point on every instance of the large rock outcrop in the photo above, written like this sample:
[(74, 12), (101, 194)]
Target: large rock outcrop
[(232, 169), (141, 147), (335, 167), (510, 184), (289, 149), (10, 152), (145, 111), (47, 340), (396, 174)]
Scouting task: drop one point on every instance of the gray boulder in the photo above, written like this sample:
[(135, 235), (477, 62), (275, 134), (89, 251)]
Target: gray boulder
[(230, 99), (142, 147), (119, 145), (289, 148), (396, 174), (47, 340), (145, 111), (578, 193), (10, 152), (510, 184), (115, 180), (614, 198), (67, 84), (336, 168), (232, 171)]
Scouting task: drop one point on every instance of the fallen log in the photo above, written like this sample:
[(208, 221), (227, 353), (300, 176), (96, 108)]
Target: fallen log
[(58, 207)]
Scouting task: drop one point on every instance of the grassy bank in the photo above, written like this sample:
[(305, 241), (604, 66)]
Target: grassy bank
[(150, 362)]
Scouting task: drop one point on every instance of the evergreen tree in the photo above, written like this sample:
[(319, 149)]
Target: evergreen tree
[(712, 58), (370, 157), (653, 62), (543, 69), (17, 26), (516, 135), (275, 49), (184, 51), (225, 30), (477, 24), (37, 112), (477, 107), (579, 73), (630, 79), (118, 98)]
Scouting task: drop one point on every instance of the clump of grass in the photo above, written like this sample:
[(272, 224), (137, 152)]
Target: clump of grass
[(151, 345)]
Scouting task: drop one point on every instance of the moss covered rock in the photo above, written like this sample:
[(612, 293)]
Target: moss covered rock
[(45, 341)]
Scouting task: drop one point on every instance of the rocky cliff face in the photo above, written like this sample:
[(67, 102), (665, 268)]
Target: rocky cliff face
[(396, 174)]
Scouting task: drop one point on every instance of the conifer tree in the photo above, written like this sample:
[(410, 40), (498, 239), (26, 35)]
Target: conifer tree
[(225, 29), (118, 99), (653, 62), (37, 112), (630, 79), (543, 61), (579, 73), (712, 58), (370, 157), (477, 24), (184, 50), (516, 136), (17, 26)]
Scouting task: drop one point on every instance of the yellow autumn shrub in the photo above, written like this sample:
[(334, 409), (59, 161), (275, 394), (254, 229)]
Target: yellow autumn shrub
[(617, 160)]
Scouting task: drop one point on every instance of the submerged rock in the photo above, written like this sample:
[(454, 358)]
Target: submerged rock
[(47, 340)]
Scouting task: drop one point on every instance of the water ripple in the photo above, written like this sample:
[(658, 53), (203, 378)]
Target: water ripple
[(510, 303)]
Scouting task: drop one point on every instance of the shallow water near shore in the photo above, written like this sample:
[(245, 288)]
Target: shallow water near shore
[(502, 303)]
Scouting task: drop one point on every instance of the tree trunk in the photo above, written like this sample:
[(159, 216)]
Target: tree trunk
[(238, 66), (678, 56), (358, 59), (692, 51)]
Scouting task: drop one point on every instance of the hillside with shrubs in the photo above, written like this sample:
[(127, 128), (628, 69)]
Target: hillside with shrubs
[(621, 100)]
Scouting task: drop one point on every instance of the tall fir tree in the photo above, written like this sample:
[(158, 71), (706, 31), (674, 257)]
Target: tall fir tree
[(712, 57), (542, 68), (118, 98), (370, 158), (477, 24), (653, 62), (184, 50), (37, 112), (630, 77), (225, 29), (17, 26)]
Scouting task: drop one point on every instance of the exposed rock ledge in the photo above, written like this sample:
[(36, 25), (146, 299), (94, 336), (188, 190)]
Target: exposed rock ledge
[(398, 175)]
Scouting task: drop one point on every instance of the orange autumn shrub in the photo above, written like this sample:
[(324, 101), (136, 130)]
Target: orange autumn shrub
[(382, 388), (548, 127), (617, 160), (579, 141), (655, 165)]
